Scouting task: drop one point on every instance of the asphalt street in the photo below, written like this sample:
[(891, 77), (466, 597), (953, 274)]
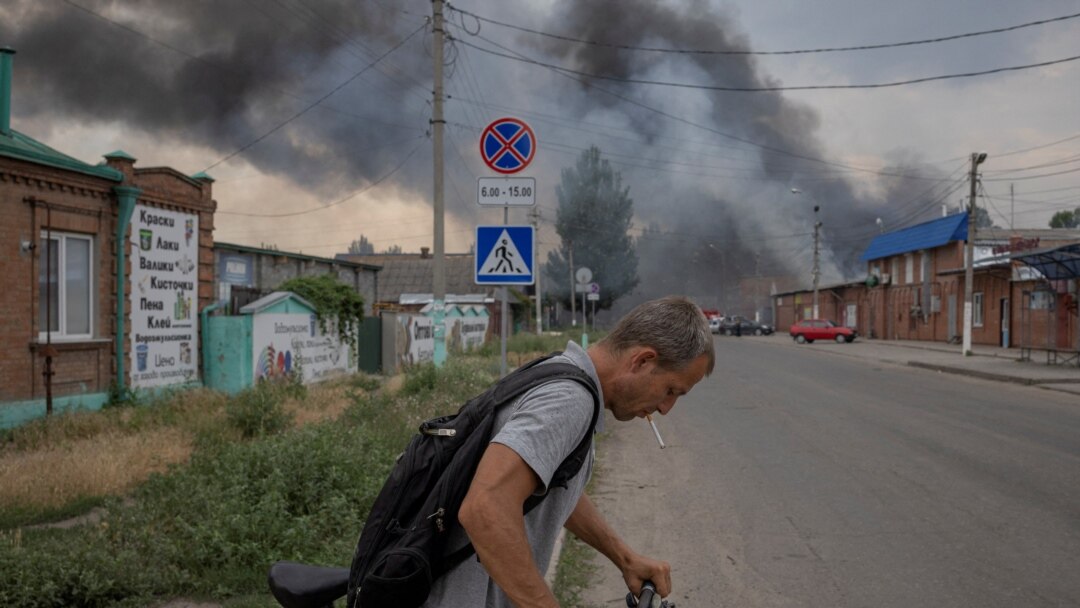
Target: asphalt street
[(805, 476)]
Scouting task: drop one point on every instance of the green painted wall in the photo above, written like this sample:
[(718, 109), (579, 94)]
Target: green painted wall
[(15, 413), (227, 363)]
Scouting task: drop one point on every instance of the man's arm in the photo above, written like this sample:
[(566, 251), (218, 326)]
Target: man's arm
[(492, 517), (589, 525)]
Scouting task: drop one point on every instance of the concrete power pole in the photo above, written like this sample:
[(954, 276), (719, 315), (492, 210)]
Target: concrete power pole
[(573, 294), (817, 265), (438, 303), (536, 269), (977, 159)]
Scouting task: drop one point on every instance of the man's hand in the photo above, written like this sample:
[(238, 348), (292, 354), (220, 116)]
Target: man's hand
[(589, 525), (640, 569)]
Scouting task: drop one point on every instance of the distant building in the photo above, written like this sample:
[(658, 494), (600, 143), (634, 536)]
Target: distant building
[(243, 274), (914, 288)]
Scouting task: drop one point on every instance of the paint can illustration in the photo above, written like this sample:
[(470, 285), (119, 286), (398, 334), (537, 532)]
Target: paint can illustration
[(142, 353), (146, 239)]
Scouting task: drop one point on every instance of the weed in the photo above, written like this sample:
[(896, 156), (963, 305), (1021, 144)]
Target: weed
[(259, 410)]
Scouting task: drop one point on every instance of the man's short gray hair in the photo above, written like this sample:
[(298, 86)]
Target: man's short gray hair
[(674, 326)]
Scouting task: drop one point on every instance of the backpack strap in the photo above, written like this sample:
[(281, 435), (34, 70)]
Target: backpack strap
[(517, 383)]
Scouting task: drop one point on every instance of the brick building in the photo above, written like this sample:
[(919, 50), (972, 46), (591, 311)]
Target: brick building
[(915, 289), (71, 330), (243, 274)]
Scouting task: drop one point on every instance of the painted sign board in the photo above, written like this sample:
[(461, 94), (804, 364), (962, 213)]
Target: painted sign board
[(164, 297), (415, 340), (284, 343), (236, 269)]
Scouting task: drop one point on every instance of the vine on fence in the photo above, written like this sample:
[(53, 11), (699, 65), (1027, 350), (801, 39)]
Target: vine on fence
[(333, 300)]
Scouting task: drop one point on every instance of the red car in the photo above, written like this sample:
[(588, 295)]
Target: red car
[(809, 330)]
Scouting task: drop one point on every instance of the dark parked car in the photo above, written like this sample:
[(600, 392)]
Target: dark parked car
[(746, 327), (809, 330)]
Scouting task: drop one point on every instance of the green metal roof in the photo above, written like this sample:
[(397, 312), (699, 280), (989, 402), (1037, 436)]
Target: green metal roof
[(25, 148)]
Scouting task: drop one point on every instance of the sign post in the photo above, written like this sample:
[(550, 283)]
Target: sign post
[(507, 146)]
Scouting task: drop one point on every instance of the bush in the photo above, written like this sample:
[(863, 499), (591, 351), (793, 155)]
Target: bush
[(259, 410)]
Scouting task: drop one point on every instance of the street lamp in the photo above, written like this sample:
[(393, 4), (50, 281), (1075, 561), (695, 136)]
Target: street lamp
[(977, 158), (817, 266)]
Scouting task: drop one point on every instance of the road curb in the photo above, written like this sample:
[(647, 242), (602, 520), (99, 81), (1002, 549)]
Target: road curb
[(973, 373), (993, 376)]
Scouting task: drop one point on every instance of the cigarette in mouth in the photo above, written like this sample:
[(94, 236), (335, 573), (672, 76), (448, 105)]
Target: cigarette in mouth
[(655, 431)]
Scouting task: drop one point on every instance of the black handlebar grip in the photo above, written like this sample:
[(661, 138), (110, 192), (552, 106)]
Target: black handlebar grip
[(648, 591)]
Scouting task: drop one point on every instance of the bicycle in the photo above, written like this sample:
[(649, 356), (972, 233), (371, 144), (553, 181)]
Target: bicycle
[(296, 585)]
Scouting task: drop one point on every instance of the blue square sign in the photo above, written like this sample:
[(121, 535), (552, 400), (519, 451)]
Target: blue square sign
[(504, 255)]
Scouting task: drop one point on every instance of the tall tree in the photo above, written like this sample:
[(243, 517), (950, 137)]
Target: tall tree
[(1066, 219), (595, 211), (361, 247)]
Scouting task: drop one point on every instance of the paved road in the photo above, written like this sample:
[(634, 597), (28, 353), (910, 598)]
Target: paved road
[(797, 477)]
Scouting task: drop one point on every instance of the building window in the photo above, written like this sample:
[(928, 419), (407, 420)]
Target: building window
[(977, 309), (909, 269), (1042, 300), (66, 286), (896, 270)]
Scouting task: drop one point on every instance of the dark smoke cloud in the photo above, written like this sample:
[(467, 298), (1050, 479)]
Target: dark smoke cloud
[(251, 62), (720, 238), (255, 57)]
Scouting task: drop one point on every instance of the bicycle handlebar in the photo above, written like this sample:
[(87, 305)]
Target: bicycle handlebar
[(647, 599)]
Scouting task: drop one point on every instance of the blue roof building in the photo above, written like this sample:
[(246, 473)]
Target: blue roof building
[(927, 235)]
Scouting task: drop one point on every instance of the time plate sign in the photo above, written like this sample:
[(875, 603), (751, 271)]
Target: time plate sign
[(506, 191)]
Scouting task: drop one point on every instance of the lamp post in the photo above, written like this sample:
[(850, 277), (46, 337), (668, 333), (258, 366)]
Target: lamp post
[(817, 252), (977, 158)]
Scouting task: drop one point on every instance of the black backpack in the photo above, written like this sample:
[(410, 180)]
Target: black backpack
[(404, 546)]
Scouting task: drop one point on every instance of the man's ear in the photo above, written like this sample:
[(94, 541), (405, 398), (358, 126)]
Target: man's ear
[(642, 358)]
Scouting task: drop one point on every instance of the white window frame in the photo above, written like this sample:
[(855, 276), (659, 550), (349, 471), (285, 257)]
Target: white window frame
[(896, 270), (977, 309), (61, 238), (909, 269)]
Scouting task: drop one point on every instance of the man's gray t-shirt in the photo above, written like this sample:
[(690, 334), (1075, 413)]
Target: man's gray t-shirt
[(543, 427)]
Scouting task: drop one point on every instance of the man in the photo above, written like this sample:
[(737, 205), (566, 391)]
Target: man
[(655, 354)]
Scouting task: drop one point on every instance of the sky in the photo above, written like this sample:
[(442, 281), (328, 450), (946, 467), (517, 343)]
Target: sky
[(313, 116)]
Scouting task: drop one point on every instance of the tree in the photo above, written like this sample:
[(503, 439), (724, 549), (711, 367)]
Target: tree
[(982, 218), (595, 211), (1066, 219), (393, 249), (361, 247)]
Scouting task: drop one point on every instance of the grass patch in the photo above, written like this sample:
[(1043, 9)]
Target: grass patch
[(210, 526)]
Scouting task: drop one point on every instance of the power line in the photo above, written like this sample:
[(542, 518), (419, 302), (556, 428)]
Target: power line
[(335, 203), (1016, 179), (865, 47), (318, 101), (707, 128), (815, 87)]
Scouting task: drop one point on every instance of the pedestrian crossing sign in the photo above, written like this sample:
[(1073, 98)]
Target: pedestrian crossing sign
[(504, 255)]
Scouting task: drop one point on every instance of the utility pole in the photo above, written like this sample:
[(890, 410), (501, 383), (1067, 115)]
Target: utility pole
[(573, 295), (817, 265), (977, 159), (816, 271), (439, 267), (536, 270)]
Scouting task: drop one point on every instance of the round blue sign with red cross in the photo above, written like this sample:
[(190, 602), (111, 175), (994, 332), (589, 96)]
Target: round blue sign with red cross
[(507, 145)]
